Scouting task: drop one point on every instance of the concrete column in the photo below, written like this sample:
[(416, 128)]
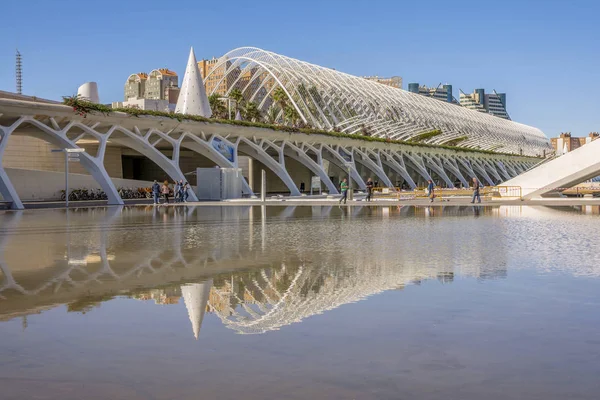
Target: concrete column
[(251, 173)]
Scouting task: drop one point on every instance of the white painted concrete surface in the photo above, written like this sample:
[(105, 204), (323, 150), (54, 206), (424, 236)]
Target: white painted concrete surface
[(34, 185), (563, 172)]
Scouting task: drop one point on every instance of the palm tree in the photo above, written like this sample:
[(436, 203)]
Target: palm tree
[(291, 115), (272, 113), (216, 105), (237, 96), (280, 97), (251, 112)]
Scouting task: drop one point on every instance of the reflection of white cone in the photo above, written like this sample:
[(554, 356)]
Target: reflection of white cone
[(192, 97), (195, 297)]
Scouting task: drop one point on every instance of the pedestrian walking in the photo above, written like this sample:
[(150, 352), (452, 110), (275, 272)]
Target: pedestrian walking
[(369, 189), (165, 191), (344, 190), (476, 191), (181, 191), (302, 187), (156, 192), (186, 188), (430, 190), (176, 188)]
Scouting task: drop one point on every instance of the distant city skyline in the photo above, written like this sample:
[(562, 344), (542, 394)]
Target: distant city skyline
[(541, 51)]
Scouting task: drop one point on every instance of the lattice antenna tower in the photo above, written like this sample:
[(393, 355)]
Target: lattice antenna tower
[(19, 73)]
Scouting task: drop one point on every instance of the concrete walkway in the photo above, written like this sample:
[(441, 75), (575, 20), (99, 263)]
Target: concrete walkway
[(323, 201)]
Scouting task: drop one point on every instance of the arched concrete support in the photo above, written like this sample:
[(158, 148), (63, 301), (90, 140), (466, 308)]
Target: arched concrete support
[(7, 190), (481, 169), (418, 166), (375, 168), (489, 166), (502, 170), (467, 167), (207, 150), (518, 167), (393, 164), (343, 164), (438, 168), (451, 164), (510, 169), (94, 165), (278, 168), (171, 167), (297, 154)]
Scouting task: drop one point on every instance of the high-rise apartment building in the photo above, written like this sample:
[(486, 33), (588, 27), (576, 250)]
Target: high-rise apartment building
[(223, 80), (135, 87), (394, 81), (215, 80), (162, 85), (157, 90), (565, 143), (493, 103), (441, 92)]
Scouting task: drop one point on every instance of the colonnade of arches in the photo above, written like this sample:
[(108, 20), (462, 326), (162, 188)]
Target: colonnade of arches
[(390, 165)]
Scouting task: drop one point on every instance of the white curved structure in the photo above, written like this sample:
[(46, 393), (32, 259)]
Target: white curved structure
[(192, 97), (332, 100), (560, 173), (162, 140), (89, 91)]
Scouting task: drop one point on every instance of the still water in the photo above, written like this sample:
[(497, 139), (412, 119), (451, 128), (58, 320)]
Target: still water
[(300, 303)]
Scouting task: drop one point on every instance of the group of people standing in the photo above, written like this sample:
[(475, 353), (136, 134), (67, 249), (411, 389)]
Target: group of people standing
[(180, 191)]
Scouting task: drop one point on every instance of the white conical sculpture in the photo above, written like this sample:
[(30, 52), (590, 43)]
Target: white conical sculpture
[(565, 149), (195, 297), (192, 97), (238, 116)]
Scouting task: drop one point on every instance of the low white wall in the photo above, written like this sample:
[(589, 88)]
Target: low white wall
[(35, 185)]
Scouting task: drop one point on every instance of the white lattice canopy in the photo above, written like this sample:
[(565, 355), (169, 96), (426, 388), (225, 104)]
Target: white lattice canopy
[(332, 100)]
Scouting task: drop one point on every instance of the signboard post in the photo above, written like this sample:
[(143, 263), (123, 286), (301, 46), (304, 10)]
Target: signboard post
[(71, 155), (315, 183)]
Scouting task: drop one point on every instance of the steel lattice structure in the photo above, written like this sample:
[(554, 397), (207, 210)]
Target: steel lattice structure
[(332, 100)]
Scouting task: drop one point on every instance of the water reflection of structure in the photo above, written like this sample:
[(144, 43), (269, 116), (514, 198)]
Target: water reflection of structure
[(227, 253)]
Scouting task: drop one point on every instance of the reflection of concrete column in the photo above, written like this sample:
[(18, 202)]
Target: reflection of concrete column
[(195, 297), (263, 226), (9, 221)]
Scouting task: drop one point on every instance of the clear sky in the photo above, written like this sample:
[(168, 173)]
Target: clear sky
[(543, 54)]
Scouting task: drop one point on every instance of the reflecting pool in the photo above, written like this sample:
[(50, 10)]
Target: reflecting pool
[(240, 302)]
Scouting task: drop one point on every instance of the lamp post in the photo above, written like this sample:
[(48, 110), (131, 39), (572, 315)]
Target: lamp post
[(71, 155), (228, 100)]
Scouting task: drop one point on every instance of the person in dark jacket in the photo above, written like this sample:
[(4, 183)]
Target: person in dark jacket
[(369, 189), (185, 195), (430, 190), (156, 192), (475, 191)]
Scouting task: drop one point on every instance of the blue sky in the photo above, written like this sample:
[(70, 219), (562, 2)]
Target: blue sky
[(543, 54)]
